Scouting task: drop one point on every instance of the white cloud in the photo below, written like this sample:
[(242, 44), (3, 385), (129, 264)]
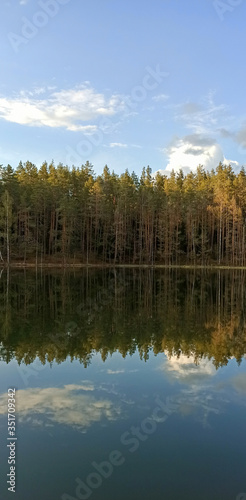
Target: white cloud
[(118, 145), (65, 108), (193, 150), (234, 164), (160, 98)]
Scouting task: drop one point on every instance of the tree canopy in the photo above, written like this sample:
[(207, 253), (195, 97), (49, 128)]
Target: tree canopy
[(53, 213)]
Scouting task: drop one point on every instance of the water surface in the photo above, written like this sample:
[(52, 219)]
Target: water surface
[(130, 384)]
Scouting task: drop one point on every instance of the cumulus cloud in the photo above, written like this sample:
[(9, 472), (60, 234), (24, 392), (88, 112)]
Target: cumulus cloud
[(69, 109), (193, 150)]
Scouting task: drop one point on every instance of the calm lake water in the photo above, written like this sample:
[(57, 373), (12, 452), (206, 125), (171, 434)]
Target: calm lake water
[(130, 384)]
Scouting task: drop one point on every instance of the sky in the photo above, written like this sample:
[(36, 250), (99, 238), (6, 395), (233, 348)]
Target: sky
[(127, 84)]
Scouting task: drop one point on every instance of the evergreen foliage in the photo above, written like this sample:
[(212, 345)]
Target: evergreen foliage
[(57, 214)]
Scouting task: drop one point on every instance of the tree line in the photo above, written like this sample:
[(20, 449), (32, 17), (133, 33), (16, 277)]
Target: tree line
[(57, 214)]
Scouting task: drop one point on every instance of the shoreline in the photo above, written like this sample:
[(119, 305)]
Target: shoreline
[(51, 265)]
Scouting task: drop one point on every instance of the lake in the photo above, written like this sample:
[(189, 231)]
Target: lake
[(129, 383)]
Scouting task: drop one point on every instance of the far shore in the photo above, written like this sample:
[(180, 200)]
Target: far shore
[(76, 265)]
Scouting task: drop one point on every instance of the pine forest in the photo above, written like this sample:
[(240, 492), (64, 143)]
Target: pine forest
[(54, 214)]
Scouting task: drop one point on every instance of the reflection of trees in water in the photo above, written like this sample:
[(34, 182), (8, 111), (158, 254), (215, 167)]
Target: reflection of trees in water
[(74, 314)]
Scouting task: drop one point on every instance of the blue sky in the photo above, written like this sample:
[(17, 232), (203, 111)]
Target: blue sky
[(128, 84)]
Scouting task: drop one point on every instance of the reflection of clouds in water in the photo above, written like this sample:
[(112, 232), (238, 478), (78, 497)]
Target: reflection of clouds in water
[(115, 372), (199, 398), (202, 396), (200, 402), (86, 386), (67, 405), (185, 370)]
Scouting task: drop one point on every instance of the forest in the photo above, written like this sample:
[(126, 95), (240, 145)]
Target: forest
[(57, 214)]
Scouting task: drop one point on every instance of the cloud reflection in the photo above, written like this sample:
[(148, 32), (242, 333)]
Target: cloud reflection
[(186, 370), (202, 395), (68, 405)]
